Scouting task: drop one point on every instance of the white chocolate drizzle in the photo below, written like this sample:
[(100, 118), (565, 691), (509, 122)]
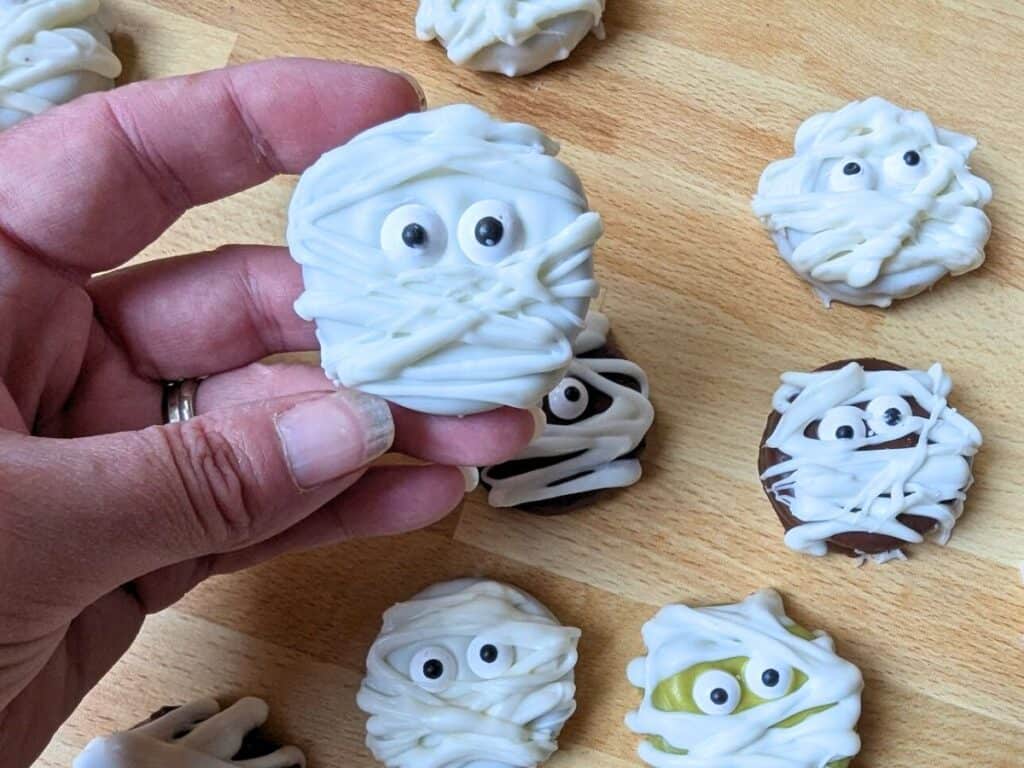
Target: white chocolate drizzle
[(512, 37), (50, 52), (596, 446), (876, 204), (451, 326), (469, 715), (197, 735), (679, 637), (835, 486)]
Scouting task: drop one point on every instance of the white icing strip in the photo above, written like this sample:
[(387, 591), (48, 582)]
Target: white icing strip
[(514, 37), (837, 486), (468, 715), (678, 638), (449, 335), (600, 440), (42, 41), (890, 229), (213, 738)]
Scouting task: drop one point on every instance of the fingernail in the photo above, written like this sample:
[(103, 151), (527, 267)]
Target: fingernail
[(472, 477), (332, 436), (415, 86), (540, 422)]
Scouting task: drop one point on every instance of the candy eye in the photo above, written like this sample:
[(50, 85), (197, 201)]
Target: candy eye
[(888, 414), (569, 400), (843, 423), (906, 167), (413, 234), (850, 175), (768, 679), (489, 659), (488, 231), (716, 692), (433, 669)]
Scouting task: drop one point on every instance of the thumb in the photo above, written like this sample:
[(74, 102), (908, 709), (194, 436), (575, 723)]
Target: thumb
[(101, 511)]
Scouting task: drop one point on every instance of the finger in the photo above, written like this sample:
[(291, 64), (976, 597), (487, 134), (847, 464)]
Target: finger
[(112, 508), (184, 718), (120, 167), (205, 313), (387, 501), (286, 757), (221, 736)]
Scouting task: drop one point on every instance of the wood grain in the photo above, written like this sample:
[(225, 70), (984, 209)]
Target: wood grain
[(669, 122)]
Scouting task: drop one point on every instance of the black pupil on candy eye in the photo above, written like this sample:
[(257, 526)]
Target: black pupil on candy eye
[(911, 158), (433, 669), (893, 417), (489, 231), (573, 394), (719, 696), (845, 432), (414, 235), (851, 169), (770, 677), (489, 653)]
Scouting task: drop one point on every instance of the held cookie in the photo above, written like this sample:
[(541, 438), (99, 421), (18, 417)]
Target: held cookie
[(197, 735), (447, 261), (736, 686), (876, 204), (866, 456), (511, 37), (51, 51), (468, 673), (597, 418)]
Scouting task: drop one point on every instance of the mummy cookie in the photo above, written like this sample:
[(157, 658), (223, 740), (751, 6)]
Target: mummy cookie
[(447, 261), (866, 456), (197, 735), (511, 37), (743, 686), (876, 204), (51, 51), (468, 674), (597, 418)]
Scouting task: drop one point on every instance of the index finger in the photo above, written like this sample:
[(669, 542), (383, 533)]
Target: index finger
[(89, 185)]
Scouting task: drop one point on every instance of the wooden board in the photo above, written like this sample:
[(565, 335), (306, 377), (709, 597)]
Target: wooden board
[(669, 122)]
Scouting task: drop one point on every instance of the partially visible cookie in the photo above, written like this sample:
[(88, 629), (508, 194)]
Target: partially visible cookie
[(867, 457), (876, 204), (510, 37), (741, 685), (597, 420)]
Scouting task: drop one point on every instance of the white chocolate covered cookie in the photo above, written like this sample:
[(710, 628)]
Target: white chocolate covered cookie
[(197, 735), (51, 51), (468, 674), (447, 261), (743, 686), (867, 456), (876, 204), (511, 37), (597, 418)]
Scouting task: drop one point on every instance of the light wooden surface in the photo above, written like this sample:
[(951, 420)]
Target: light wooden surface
[(669, 123)]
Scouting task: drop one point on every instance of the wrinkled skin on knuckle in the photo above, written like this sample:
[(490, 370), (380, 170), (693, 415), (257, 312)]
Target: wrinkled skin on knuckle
[(213, 475)]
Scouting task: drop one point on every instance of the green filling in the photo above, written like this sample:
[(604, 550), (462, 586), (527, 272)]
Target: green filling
[(663, 746), (675, 694), (796, 629), (799, 717), (840, 763)]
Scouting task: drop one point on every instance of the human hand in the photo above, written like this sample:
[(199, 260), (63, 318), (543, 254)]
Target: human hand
[(106, 515), (197, 735)]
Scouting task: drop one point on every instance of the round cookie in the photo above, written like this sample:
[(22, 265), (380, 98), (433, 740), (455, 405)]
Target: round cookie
[(597, 420), (742, 685), (876, 204), (866, 456), (197, 735), (447, 264), (511, 37), (51, 51), (468, 673)]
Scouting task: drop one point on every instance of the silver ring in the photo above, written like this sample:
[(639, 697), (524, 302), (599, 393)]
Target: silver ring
[(180, 400)]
